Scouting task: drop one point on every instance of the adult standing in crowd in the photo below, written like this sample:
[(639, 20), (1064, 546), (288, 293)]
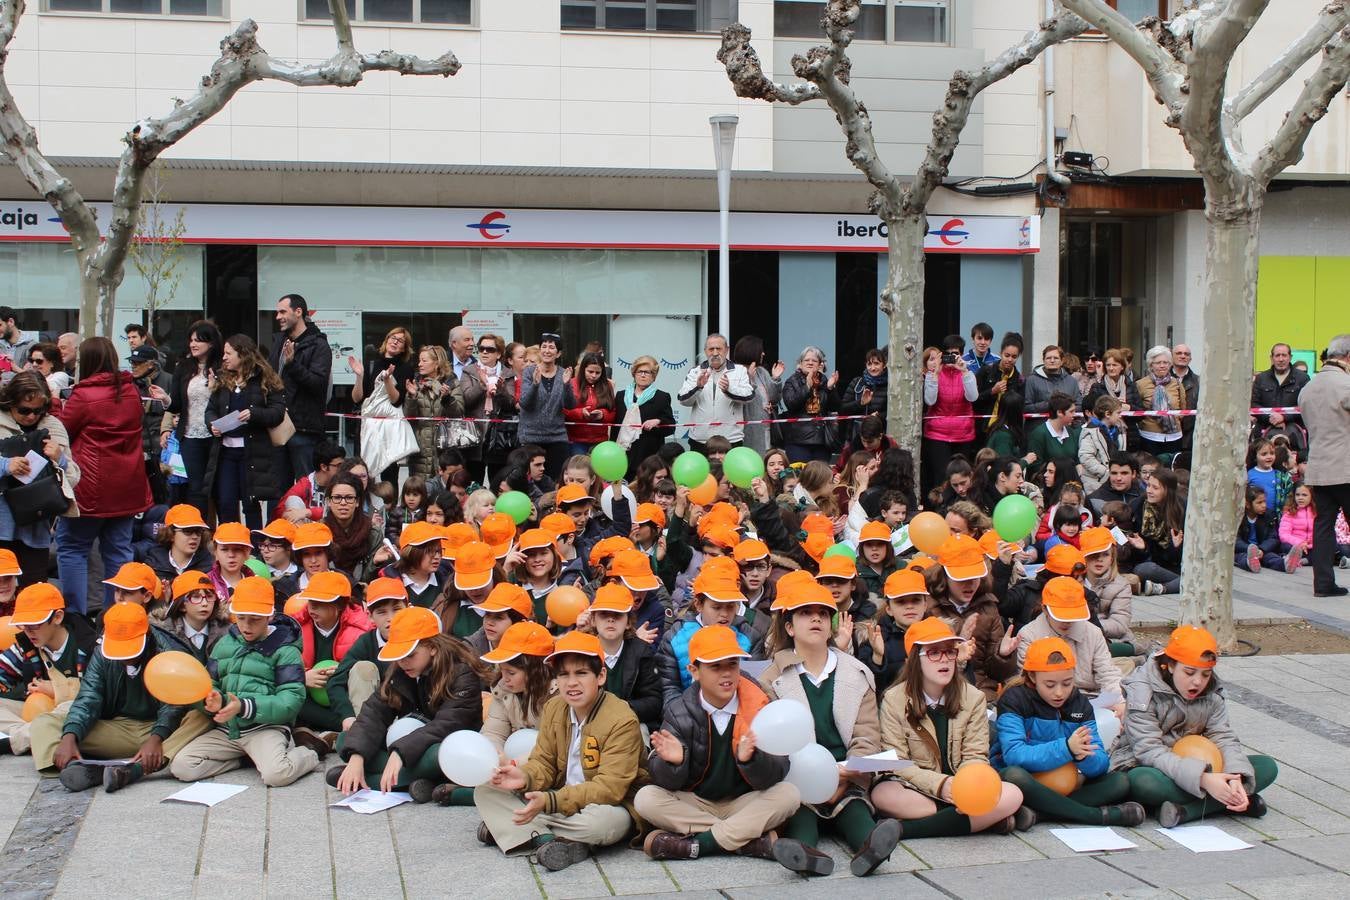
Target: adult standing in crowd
[(949, 393), (998, 379), (491, 389), (193, 381), (1279, 385), (303, 359), (589, 407), (1190, 381), (768, 386), (1048, 378), (461, 349), (1325, 402), (644, 407), (390, 370), (103, 419), (45, 359), (865, 394), (1115, 383), (1161, 391), (543, 393), (25, 407), (1091, 373), (430, 394), (717, 390), (242, 470), (808, 394), (14, 341), (68, 343)]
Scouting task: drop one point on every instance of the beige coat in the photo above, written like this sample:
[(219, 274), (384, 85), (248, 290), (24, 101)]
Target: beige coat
[(1176, 399), (1115, 607), (506, 716), (967, 738), (855, 697), (1093, 672), (1326, 414), (9, 428)]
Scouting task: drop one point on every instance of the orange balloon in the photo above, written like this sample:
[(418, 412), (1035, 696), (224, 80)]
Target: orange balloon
[(36, 705), (1063, 781), (564, 604), (294, 605), (487, 704), (1197, 746), (177, 678), (976, 789), (706, 493), (927, 531), (8, 633)]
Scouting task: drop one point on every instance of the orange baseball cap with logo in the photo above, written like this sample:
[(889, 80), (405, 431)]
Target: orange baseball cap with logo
[(962, 558), (232, 534), (253, 597), (536, 539), (35, 604), (719, 579), (408, 627), (577, 642), (1064, 599), (521, 639), (613, 598), (498, 530), (650, 512), (931, 630), (723, 536), (473, 566), (1193, 646), (905, 583), (507, 597), (278, 530), (750, 550), (721, 513), (558, 523), (874, 531), (135, 576), (1062, 559), (799, 593), (569, 494), (714, 643), (1095, 540), (634, 569), (327, 587), (816, 523), (606, 549), (815, 545), (382, 589), (417, 534), (454, 536), (191, 581), (185, 515), (125, 627), (838, 566), (1040, 651), (311, 535)]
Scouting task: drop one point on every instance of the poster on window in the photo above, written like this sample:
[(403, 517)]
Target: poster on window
[(491, 321), (342, 327)]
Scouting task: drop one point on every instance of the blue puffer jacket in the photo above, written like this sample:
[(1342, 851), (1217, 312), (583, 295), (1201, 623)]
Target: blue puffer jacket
[(672, 657), (1034, 735)]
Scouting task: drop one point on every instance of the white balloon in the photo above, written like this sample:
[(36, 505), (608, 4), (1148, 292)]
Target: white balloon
[(467, 758), (815, 773), (401, 728), (783, 727), (520, 744), (1108, 727)]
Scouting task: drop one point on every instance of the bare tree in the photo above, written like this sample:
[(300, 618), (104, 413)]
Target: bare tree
[(102, 258), (1186, 61), (826, 70), (157, 248)]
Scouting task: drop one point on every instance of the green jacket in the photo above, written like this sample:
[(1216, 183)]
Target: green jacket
[(1047, 448), (108, 692), (366, 649), (268, 676)]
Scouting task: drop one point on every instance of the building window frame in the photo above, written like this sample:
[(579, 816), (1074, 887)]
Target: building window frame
[(705, 20), (166, 11), (1164, 7), (356, 11), (889, 33)]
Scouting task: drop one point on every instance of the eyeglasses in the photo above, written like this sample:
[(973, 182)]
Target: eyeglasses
[(29, 410), (341, 498), (940, 654), (200, 597), (270, 542), (756, 567), (644, 371), (488, 348)]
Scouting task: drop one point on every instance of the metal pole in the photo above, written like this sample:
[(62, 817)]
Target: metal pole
[(724, 252)]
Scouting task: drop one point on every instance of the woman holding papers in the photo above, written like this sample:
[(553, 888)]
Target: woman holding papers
[(248, 399)]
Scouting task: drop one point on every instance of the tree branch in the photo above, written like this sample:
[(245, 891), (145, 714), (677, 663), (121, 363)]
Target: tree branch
[(747, 74), (1160, 67), (342, 26), (1333, 18), (1286, 147)]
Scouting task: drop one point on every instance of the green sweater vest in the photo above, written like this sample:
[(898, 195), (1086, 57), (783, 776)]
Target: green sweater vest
[(723, 781), (821, 701)]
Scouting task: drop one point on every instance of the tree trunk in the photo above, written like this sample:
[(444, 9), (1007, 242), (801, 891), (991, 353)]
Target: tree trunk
[(1215, 499), (902, 301)]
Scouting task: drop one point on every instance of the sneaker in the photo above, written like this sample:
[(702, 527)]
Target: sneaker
[(1153, 589), (760, 848), (422, 790), (664, 845), (117, 777), (333, 774), (1170, 815), (1256, 807), (303, 737), (1343, 563), (1131, 814), (1332, 592), (78, 777), (877, 848), (1024, 818), (797, 857), (484, 835), (1293, 559), (558, 854), (1253, 558)]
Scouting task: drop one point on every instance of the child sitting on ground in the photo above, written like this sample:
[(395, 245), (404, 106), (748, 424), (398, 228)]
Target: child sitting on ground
[(1065, 615), (1258, 538), (717, 601), (196, 615), (48, 657), (906, 602), (330, 624), (630, 661), (876, 557), (361, 671)]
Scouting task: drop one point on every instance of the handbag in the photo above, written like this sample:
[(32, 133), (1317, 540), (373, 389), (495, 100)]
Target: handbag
[(282, 432), (456, 434), (501, 438), (631, 429), (39, 500)]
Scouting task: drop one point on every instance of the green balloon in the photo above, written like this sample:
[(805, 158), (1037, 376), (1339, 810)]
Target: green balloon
[(1015, 517), (516, 505), (259, 568), (842, 550), (609, 461), (320, 695), (742, 466), (690, 469)]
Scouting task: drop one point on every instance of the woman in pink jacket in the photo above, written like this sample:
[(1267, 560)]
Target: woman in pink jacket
[(1296, 525), (949, 389)]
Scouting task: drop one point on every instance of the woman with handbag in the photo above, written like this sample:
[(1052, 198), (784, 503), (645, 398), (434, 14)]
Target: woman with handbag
[(242, 469), (25, 406), (491, 387), (193, 382), (103, 419), (430, 395), (645, 416), (391, 371)]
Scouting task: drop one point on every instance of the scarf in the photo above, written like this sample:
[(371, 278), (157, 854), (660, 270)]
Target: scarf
[(351, 544), (1116, 388), (1153, 526), (812, 398), (993, 410), (632, 398), (1167, 423), (1110, 432), (875, 384)]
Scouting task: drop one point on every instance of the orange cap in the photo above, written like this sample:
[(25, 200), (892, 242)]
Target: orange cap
[(750, 550), (473, 566), (721, 513), (1040, 651), (558, 523), (1062, 559), (310, 535), (498, 530), (608, 548), (1192, 646), (382, 589), (815, 545), (1095, 540), (931, 630), (125, 626), (185, 515), (962, 558), (577, 642), (816, 523), (1064, 599), (232, 533), (417, 534), (537, 538), (35, 604), (521, 639), (572, 493), (254, 597), (454, 536), (837, 566), (990, 540), (719, 579), (921, 563), (409, 625), (714, 643), (9, 563), (506, 597), (191, 581), (650, 512), (134, 576), (905, 583), (796, 593), (613, 598), (874, 531), (278, 530), (327, 587), (723, 536), (634, 568)]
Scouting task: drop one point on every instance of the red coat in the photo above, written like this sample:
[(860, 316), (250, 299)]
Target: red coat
[(596, 431), (104, 422), (353, 623)]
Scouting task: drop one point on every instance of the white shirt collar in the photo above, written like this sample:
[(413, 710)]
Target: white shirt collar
[(327, 632), (430, 582), (1057, 434), (610, 661), (930, 701), (575, 775), (830, 664), (56, 654), (539, 592), (720, 717)]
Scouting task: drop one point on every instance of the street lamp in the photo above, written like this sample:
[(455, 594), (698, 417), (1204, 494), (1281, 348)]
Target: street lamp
[(724, 142)]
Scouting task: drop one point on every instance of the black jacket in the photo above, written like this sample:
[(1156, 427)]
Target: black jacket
[(1267, 534), (641, 685), (266, 411), (686, 720), (1022, 602), (1267, 391), (462, 710), (1133, 498), (157, 558), (986, 378), (307, 377), (886, 669), (795, 395), (648, 442)]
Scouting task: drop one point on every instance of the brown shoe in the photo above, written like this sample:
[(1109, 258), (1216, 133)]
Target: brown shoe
[(664, 845), (798, 857), (303, 737), (760, 848)]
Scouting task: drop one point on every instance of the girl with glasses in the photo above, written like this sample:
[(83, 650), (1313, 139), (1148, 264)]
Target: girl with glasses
[(24, 409), (643, 413)]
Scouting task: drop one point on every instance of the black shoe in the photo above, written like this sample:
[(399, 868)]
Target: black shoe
[(117, 777), (303, 737), (1170, 815), (1256, 807), (1334, 592), (1024, 818), (444, 795), (796, 856), (4, 745), (78, 777), (422, 790), (483, 834), (333, 774), (877, 848), (760, 848), (558, 854), (1131, 814)]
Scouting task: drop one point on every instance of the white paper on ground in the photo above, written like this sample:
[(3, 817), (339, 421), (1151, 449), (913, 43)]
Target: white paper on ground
[(84, 761), (368, 801), (1092, 840), (1204, 838), (207, 793), (885, 761), (1106, 700), (36, 463)]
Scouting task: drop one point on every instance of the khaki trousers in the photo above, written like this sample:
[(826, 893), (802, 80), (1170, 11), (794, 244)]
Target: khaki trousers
[(597, 825), (117, 738), (363, 680), (278, 761), (734, 822)]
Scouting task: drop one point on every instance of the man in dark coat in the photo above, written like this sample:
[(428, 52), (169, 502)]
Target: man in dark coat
[(303, 359)]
